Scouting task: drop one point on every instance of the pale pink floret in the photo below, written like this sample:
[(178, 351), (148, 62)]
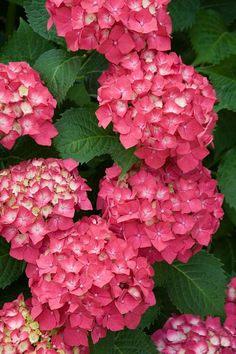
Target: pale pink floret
[(37, 197), (112, 27), (89, 280), (189, 334), (161, 106), (166, 213), (230, 307), (26, 105), (19, 333)]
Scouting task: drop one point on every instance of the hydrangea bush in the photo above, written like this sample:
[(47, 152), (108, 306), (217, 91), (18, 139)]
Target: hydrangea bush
[(117, 177)]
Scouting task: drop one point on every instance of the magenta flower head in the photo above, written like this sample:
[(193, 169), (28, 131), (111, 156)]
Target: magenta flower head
[(166, 213), (37, 197), (112, 27), (89, 280), (19, 333), (189, 334), (26, 105), (230, 307), (159, 105)]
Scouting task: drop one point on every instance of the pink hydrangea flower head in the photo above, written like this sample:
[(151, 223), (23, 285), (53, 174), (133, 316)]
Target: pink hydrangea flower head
[(191, 335), (26, 105), (37, 197), (112, 27), (166, 213), (230, 307), (159, 105), (19, 333), (89, 280)]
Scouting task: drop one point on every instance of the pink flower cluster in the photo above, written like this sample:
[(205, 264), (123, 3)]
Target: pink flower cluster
[(230, 307), (189, 334), (165, 212), (112, 27), (161, 106), (26, 105), (19, 333), (37, 197), (88, 279)]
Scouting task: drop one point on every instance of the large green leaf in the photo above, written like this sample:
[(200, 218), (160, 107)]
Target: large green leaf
[(125, 342), (225, 87), (196, 287), (38, 17), (224, 133), (183, 13), (149, 317), (25, 45), (81, 139), (211, 39), (10, 269), (59, 70), (227, 8), (225, 250), (227, 177)]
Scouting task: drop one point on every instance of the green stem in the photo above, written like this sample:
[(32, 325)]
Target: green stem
[(11, 18)]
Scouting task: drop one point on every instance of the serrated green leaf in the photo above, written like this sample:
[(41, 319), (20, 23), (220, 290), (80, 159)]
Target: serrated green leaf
[(10, 269), (93, 63), (81, 139), (125, 342), (38, 17), (225, 250), (197, 287), (24, 45), (211, 39), (149, 317), (226, 177), (59, 70), (227, 8), (231, 213), (224, 133), (78, 94), (225, 88), (183, 13)]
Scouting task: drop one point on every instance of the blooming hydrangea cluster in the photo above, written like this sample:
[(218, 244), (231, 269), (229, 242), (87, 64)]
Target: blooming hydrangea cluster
[(161, 106), (189, 334), (112, 27), (230, 307), (19, 333), (37, 197), (26, 105), (165, 212), (88, 279)]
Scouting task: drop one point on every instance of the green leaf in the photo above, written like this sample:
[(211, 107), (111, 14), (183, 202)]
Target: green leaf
[(38, 17), (227, 8), (197, 287), (224, 133), (18, 2), (225, 87), (183, 13), (225, 250), (78, 94), (211, 39), (81, 139), (10, 269), (59, 70), (93, 63), (226, 177), (149, 317), (24, 45), (231, 213), (125, 342)]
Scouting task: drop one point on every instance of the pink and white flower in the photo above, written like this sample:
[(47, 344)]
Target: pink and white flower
[(166, 213), (159, 105), (38, 197), (26, 105)]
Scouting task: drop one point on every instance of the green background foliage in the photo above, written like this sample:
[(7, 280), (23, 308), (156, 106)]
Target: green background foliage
[(204, 34)]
